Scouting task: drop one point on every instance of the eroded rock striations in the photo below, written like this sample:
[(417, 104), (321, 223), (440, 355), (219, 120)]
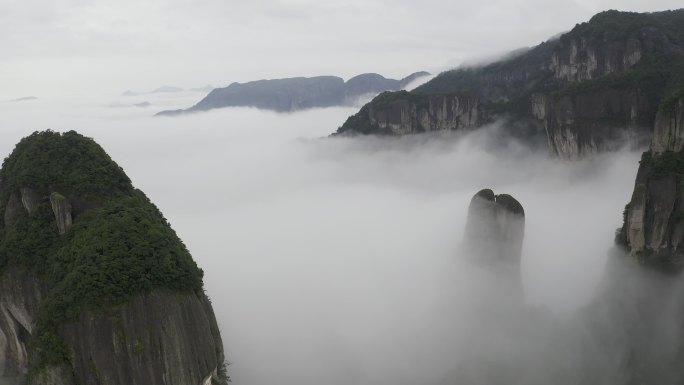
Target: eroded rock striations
[(653, 228), (638, 311), (95, 287), (293, 94), (593, 89)]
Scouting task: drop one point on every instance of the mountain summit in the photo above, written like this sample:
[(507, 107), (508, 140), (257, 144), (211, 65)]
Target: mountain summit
[(292, 94), (95, 286)]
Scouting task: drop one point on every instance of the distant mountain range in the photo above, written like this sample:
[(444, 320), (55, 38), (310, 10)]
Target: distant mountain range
[(168, 89), (292, 94), (24, 99)]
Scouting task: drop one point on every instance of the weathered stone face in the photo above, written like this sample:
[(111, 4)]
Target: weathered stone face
[(494, 234), (62, 209), (157, 338), (596, 122), (12, 209), (653, 229), (668, 133), (438, 113), (153, 330), (579, 60), (30, 199), (20, 296)]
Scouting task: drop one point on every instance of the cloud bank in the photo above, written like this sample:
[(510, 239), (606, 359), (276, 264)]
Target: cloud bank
[(338, 260)]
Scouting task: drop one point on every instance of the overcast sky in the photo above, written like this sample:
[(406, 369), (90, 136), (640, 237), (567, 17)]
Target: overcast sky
[(84, 46), (328, 261)]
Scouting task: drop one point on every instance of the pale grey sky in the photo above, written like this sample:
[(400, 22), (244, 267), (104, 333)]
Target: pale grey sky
[(59, 47), (328, 262)]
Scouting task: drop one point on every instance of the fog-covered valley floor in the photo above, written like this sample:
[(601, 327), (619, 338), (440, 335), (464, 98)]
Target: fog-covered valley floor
[(336, 260)]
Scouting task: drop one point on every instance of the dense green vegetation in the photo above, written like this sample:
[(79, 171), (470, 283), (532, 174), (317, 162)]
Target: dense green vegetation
[(522, 64), (121, 247), (617, 25), (65, 162), (604, 28), (505, 87), (677, 85), (661, 165), (387, 98), (653, 168)]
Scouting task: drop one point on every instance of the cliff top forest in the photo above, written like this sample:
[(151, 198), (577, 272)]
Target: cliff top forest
[(120, 246)]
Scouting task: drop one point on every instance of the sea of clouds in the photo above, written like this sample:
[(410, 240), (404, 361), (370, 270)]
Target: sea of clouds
[(337, 260)]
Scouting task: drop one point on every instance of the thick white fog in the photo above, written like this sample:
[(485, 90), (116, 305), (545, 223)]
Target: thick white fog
[(336, 260)]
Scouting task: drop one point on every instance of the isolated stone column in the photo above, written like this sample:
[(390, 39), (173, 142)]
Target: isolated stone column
[(494, 234)]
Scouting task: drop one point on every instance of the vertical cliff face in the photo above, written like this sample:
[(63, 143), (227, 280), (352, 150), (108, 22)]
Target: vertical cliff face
[(400, 116), (505, 340), (581, 124), (95, 287), (596, 88), (20, 295), (62, 209), (653, 228), (638, 312), (155, 338), (668, 133), (579, 59)]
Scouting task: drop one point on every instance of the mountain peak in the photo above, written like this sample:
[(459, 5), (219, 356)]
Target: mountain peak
[(94, 255)]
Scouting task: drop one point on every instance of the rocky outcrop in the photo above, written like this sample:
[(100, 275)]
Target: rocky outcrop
[(668, 133), (25, 198), (95, 287), (587, 123), (400, 116), (580, 59), (30, 199), (20, 296), (12, 208), (596, 88), (62, 210), (494, 235), (293, 94), (653, 228), (156, 338)]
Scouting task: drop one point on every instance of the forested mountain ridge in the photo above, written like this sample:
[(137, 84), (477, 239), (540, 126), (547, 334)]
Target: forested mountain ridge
[(293, 94), (589, 90)]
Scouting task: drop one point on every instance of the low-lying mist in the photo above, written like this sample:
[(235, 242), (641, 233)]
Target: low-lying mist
[(338, 260)]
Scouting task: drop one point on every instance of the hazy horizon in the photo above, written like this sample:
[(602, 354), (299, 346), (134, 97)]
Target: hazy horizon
[(76, 47)]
